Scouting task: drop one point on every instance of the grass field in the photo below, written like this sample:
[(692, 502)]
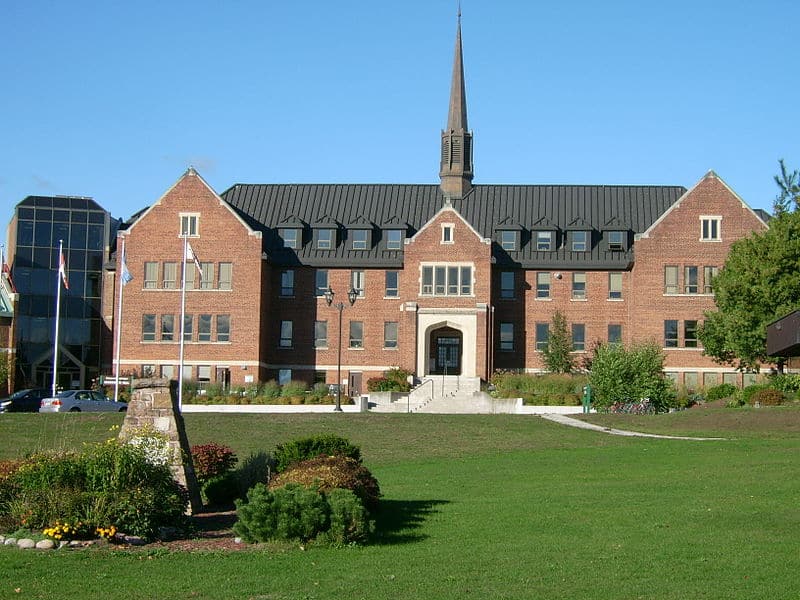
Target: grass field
[(484, 507)]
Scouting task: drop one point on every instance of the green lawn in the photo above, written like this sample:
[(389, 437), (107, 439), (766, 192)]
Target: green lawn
[(484, 507)]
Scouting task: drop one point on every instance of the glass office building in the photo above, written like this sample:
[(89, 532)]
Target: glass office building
[(86, 230)]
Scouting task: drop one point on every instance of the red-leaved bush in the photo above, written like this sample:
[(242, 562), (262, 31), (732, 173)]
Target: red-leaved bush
[(212, 460)]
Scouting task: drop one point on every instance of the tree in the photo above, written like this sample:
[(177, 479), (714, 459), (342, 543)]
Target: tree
[(758, 284), (556, 355)]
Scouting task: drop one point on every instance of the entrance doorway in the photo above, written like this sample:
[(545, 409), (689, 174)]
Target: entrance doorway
[(355, 385), (445, 351)]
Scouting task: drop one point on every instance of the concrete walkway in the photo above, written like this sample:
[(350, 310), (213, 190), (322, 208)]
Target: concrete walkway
[(564, 420)]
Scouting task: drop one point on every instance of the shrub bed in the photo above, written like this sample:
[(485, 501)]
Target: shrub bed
[(311, 447)]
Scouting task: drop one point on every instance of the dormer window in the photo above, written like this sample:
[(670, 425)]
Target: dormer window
[(544, 241), (447, 233), (325, 239), (580, 241), (360, 239), (290, 238), (616, 240), (394, 239), (508, 240)]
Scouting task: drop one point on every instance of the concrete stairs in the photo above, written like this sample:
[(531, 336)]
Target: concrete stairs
[(447, 395)]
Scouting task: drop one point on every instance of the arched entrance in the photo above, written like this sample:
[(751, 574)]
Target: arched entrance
[(446, 351)]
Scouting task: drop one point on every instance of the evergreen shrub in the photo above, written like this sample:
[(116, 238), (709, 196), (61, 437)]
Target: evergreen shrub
[(292, 512), (326, 444), (723, 390), (349, 521)]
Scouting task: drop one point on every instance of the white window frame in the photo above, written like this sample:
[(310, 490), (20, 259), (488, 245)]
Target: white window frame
[(225, 276), (710, 228), (580, 245), (508, 240), (320, 341), (360, 239), (448, 233), (615, 285), (390, 334), (578, 280), (544, 241), (442, 282), (327, 242), (189, 224), (392, 291), (358, 280), (543, 285), (289, 237), (394, 244)]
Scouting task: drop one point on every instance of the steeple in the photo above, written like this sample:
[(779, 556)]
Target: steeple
[(455, 171)]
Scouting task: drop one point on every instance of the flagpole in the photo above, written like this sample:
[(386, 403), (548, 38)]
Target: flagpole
[(183, 310), (118, 324), (58, 315)]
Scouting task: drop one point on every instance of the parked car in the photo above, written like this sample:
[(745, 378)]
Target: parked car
[(81, 400), (24, 400)]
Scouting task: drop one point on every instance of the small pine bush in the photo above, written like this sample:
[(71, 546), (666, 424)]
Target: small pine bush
[(349, 519), (311, 447), (292, 512), (767, 397), (329, 472)]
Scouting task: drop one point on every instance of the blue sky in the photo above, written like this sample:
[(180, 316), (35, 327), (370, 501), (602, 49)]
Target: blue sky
[(114, 100)]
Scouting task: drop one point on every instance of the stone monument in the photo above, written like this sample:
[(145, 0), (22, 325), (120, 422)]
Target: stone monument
[(154, 407)]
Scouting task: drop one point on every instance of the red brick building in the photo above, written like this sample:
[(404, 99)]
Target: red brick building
[(450, 279)]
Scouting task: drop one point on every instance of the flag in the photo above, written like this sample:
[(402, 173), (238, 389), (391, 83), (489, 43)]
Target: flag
[(193, 256), (125, 276), (62, 268)]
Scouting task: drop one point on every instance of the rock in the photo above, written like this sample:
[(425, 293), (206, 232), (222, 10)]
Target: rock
[(10, 541), (2, 539), (237, 540), (45, 544), (133, 540), (26, 543)]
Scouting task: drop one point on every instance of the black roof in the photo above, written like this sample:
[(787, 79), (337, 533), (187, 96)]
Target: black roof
[(61, 202), (488, 208)]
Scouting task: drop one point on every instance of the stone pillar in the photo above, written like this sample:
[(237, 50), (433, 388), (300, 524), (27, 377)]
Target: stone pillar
[(154, 406)]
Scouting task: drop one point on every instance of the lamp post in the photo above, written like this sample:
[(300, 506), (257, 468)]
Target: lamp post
[(351, 297)]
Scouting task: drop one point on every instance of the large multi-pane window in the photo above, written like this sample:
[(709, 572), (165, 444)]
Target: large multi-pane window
[(690, 280), (392, 289), (578, 337), (320, 334), (671, 279), (148, 328), (579, 286), (390, 334), (207, 276), (543, 285), (670, 333), (507, 284), (446, 280), (356, 334), (150, 275), (615, 286), (190, 224), (542, 336), (287, 282), (286, 334), (223, 328), (614, 333), (506, 337), (321, 281), (225, 275)]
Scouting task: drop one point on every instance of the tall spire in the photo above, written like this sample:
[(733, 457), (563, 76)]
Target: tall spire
[(455, 171)]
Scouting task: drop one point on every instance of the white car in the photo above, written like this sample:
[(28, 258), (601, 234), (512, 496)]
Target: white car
[(81, 400)]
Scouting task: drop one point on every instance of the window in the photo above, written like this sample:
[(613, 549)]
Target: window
[(167, 371), (167, 328), (287, 283), (188, 321), (390, 334), (170, 275), (542, 336), (543, 285), (690, 334), (670, 279), (204, 328), (614, 333), (148, 328), (284, 376), (710, 229), (615, 286), (360, 237), (289, 238), (447, 233), (189, 224), (356, 334), (579, 286), (321, 283), (325, 239), (670, 334), (394, 239), (286, 334), (150, 275), (206, 276), (392, 284), (320, 334), (506, 284), (188, 272), (690, 380), (148, 370), (225, 275), (708, 277), (203, 373), (446, 280), (616, 240), (690, 280), (544, 241), (223, 328), (578, 337), (506, 337), (508, 240), (580, 241), (357, 282)]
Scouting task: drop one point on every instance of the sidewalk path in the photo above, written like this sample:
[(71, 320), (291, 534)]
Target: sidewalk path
[(564, 420)]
